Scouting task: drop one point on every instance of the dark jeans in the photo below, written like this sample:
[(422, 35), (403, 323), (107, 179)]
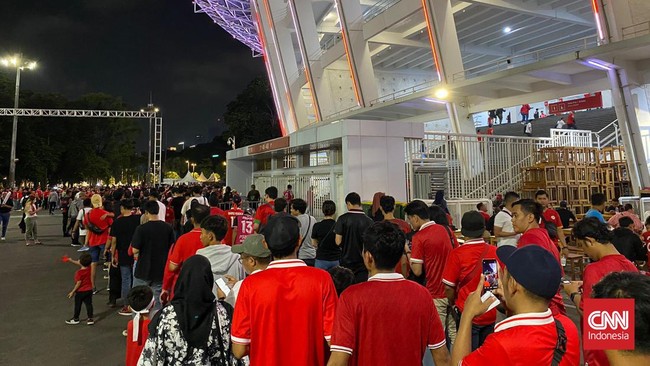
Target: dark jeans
[(479, 333), (65, 223), (4, 217), (127, 281), (85, 297), (572, 126)]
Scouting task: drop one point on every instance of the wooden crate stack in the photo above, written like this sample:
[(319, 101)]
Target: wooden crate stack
[(575, 173)]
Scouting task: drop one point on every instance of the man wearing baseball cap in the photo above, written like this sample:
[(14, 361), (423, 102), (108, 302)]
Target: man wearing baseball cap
[(528, 280), (255, 257), (463, 271), (286, 312)]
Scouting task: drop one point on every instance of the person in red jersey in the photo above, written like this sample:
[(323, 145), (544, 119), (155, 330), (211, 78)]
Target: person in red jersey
[(481, 207), (264, 211), (285, 313), (232, 217), (102, 221), (595, 239), (140, 300), (185, 247), (646, 236), (359, 337), (532, 335), (463, 270), (629, 285), (431, 246), (83, 290), (549, 215), (526, 215)]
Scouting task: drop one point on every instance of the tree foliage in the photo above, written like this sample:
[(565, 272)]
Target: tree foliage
[(251, 117), (69, 149)]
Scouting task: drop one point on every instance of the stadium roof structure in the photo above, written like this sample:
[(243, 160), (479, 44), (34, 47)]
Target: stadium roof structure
[(235, 17)]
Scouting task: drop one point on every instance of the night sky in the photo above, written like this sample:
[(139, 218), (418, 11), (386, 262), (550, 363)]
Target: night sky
[(128, 48)]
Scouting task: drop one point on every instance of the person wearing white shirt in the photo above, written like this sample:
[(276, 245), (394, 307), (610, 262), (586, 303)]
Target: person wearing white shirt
[(197, 193), (154, 195), (503, 228), (560, 123)]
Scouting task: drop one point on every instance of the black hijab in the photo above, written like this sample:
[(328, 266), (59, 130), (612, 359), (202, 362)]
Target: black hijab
[(194, 301)]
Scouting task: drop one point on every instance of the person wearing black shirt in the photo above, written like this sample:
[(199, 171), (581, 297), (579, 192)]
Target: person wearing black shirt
[(328, 254), (566, 216), (627, 242), (253, 197), (177, 205), (121, 236), (349, 231), (6, 205), (151, 243)]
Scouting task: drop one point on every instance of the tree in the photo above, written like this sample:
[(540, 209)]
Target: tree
[(251, 117)]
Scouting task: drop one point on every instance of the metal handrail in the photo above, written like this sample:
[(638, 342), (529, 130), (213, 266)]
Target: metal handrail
[(608, 126), (526, 58), (377, 9), (404, 92)]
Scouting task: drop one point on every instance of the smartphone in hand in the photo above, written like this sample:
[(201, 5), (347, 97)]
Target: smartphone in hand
[(491, 274)]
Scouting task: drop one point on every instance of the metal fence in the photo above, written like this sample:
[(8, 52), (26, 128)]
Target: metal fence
[(315, 189), (469, 166)]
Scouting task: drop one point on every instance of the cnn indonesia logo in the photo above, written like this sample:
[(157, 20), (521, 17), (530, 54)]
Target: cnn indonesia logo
[(608, 324)]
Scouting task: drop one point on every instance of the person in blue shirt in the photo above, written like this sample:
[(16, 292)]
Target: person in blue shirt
[(597, 206)]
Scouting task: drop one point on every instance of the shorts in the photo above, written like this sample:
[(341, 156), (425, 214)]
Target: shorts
[(96, 252)]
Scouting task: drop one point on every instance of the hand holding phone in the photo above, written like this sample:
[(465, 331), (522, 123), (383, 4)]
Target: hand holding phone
[(222, 286), (491, 274)]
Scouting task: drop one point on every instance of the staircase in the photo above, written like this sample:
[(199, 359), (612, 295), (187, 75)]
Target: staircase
[(594, 120)]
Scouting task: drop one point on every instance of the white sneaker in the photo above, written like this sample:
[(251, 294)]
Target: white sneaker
[(3, 238)]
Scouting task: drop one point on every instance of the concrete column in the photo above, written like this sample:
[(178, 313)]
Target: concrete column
[(239, 172), (305, 26), (357, 51), (616, 18), (276, 65)]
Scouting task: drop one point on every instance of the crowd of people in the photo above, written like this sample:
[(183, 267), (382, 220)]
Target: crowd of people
[(205, 283)]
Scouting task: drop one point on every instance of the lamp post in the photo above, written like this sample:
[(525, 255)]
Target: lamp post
[(193, 166), (20, 64), (182, 143), (188, 165)]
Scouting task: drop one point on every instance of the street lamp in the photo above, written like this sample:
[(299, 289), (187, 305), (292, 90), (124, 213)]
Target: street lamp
[(182, 143), (20, 64), (193, 166), (188, 165)]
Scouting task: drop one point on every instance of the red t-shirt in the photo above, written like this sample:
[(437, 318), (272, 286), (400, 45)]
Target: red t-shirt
[(431, 247), (285, 313), (185, 247), (216, 211), (594, 272), (570, 119), (263, 212), (231, 216), (414, 322), (95, 217), (539, 236), (462, 262), (244, 228), (551, 215), (527, 339), (485, 215), (83, 275), (134, 349)]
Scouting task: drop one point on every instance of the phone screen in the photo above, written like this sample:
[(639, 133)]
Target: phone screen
[(222, 286), (491, 274)]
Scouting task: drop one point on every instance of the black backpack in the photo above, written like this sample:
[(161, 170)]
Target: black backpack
[(551, 229)]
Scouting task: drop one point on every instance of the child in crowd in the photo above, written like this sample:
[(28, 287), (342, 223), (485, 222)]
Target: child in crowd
[(83, 290), (342, 278), (646, 237), (140, 301)]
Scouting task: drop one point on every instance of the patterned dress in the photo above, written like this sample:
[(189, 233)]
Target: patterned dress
[(169, 347)]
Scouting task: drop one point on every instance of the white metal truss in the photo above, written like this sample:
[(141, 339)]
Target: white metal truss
[(156, 167), (27, 112)]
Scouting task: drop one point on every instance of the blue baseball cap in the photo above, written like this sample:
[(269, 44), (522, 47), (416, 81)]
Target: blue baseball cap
[(533, 267)]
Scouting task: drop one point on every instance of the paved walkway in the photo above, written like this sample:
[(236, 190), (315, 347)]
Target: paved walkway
[(34, 284)]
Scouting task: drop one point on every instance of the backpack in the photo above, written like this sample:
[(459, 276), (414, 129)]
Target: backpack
[(92, 227), (551, 229)]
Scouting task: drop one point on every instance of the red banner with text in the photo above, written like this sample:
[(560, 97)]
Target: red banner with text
[(594, 100)]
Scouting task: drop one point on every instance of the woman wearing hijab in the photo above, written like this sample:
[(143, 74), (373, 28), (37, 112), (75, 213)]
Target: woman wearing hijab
[(194, 329), (375, 210)]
